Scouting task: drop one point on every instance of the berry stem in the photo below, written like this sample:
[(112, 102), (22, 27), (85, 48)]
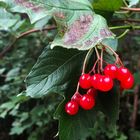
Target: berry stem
[(93, 69), (77, 89), (98, 56), (97, 53), (85, 61), (118, 61), (101, 65)]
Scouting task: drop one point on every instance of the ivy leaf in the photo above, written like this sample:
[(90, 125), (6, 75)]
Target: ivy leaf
[(53, 71)]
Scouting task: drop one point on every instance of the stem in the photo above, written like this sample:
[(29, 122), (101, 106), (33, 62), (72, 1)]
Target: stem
[(125, 27), (10, 47), (77, 89), (84, 66), (98, 56), (123, 34), (97, 53), (118, 61), (93, 69), (130, 9), (101, 66), (125, 20), (85, 61), (36, 30)]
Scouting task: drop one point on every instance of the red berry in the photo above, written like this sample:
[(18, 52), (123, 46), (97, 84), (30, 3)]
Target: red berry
[(92, 92), (94, 80), (84, 81), (111, 70), (72, 108), (128, 83), (105, 83), (123, 74), (76, 97), (87, 102)]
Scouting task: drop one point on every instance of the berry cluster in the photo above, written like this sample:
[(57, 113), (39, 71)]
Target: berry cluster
[(103, 80), (86, 101)]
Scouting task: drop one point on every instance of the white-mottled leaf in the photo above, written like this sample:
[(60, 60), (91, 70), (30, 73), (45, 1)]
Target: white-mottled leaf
[(82, 30), (78, 26)]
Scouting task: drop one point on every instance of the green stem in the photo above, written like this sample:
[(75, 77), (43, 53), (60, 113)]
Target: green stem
[(125, 3), (125, 27), (123, 34)]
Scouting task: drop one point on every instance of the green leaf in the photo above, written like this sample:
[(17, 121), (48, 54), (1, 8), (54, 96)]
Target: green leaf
[(41, 23), (12, 74), (106, 5), (108, 103), (7, 20), (137, 78), (2, 70), (113, 43), (53, 71)]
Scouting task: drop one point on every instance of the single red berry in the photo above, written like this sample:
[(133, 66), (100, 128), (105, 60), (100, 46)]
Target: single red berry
[(128, 83), (92, 92), (123, 74), (105, 83), (94, 80), (87, 102), (84, 81), (76, 97), (72, 107), (111, 70)]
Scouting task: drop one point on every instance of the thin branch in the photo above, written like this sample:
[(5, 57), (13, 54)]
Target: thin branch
[(130, 9), (126, 20), (125, 27), (11, 46), (36, 30)]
